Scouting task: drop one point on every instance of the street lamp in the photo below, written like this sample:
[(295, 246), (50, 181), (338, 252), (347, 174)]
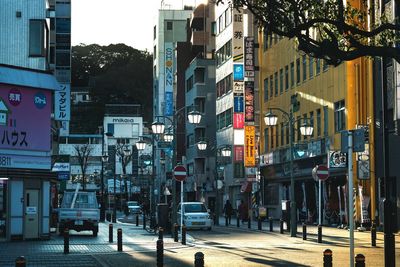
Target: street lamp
[(271, 119), (158, 127), (225, 151)]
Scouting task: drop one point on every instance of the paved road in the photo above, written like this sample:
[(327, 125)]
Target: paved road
[(223, 246)]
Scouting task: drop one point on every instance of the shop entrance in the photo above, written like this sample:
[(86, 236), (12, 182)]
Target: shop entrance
[(31, 214)]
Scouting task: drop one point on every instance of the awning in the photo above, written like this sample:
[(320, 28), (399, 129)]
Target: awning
[(246, 187)]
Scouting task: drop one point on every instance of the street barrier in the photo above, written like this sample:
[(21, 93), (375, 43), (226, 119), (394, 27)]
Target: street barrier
[(183, 235), (66, 241), (176, 227), (271, 224), (160, 233), (119, 239), (327, 258), (199, 259), (20, 261), (319, 233), (373, 235), (160, 253), (137, 219), (110, 233), (360, 260), (281, 226), (259, 224), (304, 231)]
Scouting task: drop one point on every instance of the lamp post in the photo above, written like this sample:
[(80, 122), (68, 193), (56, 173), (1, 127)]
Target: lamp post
[(225, 151), (158, 127), (271, 119)]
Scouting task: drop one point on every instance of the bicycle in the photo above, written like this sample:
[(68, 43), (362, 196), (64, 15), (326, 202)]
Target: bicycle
[(152, 227)]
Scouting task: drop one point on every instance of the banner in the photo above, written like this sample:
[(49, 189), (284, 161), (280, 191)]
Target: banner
[(238, 152), (238, 120), (249, 101), (250, 138), (249, 57)]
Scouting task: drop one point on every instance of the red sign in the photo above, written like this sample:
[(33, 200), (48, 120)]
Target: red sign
[(238, 120), (322, 172), (238, 153), (180, 173)]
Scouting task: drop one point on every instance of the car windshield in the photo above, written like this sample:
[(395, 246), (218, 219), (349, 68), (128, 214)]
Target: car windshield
[(133, 203), (195, 208)]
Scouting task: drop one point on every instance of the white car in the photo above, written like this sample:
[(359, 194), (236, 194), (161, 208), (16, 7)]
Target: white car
[(195, 215), (134, 207)]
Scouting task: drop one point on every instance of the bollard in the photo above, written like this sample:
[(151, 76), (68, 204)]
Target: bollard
[(281, 226), (226, 220), (271, 224), (66, 241), (110, 233), (304, 231), (137, 219), (327, 258), (373, 235), (160, 233), (144, 221), (160, 253), (183, 235), (319, 233), (237, 221), (259, 224), (360, 260), (249, 222), (176, 227), (119, 239), (199, 259), (20, 261)]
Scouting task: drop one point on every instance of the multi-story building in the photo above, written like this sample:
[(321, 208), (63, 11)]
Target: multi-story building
[(331, 99), (26, 91)]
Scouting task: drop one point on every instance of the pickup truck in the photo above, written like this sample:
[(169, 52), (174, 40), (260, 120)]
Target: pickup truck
[(79, 211)]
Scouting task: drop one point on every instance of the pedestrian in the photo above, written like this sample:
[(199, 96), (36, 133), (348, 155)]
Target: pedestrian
[(243, 211), (228, 210)]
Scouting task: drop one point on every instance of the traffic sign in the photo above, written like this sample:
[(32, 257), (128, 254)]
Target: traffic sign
[(322, 172), (180, 173)]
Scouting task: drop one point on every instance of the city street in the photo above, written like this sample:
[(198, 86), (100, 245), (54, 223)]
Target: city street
[(223, 246)]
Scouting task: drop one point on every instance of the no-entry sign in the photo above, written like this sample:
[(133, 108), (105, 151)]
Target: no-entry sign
[(322, 172), (180, 173)]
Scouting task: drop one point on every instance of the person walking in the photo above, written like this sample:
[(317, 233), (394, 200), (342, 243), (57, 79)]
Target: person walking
[(228, 210), (243, 211)]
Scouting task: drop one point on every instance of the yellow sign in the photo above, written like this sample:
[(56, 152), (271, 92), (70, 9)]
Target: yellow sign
[(250, 146)]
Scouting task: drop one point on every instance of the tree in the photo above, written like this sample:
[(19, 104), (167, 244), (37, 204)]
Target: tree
[(125, 155), (333, 30), (83, 153)]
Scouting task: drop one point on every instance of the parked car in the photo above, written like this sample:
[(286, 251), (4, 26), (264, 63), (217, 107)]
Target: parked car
[(79, 211), (195, 215), (134, 207)]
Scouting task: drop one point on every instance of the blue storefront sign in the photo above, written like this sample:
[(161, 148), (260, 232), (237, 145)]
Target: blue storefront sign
[(169, 104), (238, 104), (238, 72)]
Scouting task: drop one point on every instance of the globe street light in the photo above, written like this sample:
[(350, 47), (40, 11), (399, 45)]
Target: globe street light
[(271, 119)]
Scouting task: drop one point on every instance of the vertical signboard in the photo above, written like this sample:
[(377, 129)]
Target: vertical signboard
[(238, 152), (238, 88), (62, 103), (169, 78), (249, 101), (238, 120), (238, 105), (238, 72), (237, 36), (249, 57), (249, 146)]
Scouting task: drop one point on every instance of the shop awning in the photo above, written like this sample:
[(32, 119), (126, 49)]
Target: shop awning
[(246, 187)]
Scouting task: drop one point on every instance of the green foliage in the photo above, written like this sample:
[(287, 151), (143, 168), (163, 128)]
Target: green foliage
[(115, 74)]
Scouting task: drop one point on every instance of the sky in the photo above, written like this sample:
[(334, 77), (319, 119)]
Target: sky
[(107, 22)]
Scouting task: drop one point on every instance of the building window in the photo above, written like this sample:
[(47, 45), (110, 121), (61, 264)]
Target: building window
[(213, 28), (311, 121), (266, 139), (265, 89), (281, 81), (169, 26), (311, 66), (199, 75), (228, 16), (304, 121), (224, 86), (298, 70), (287, 135), (276, 83), (224, 119), (189, 84), (238, 170), (340, 116), (304, 58), (298, 128), (282, 135), (317, 66), (318, 122), (271, 84), (291, 74), (286, 77), (277, 135), (154, 52), (37, 38), (154, 33), (224, 53), (324, 65), (272, 137)]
